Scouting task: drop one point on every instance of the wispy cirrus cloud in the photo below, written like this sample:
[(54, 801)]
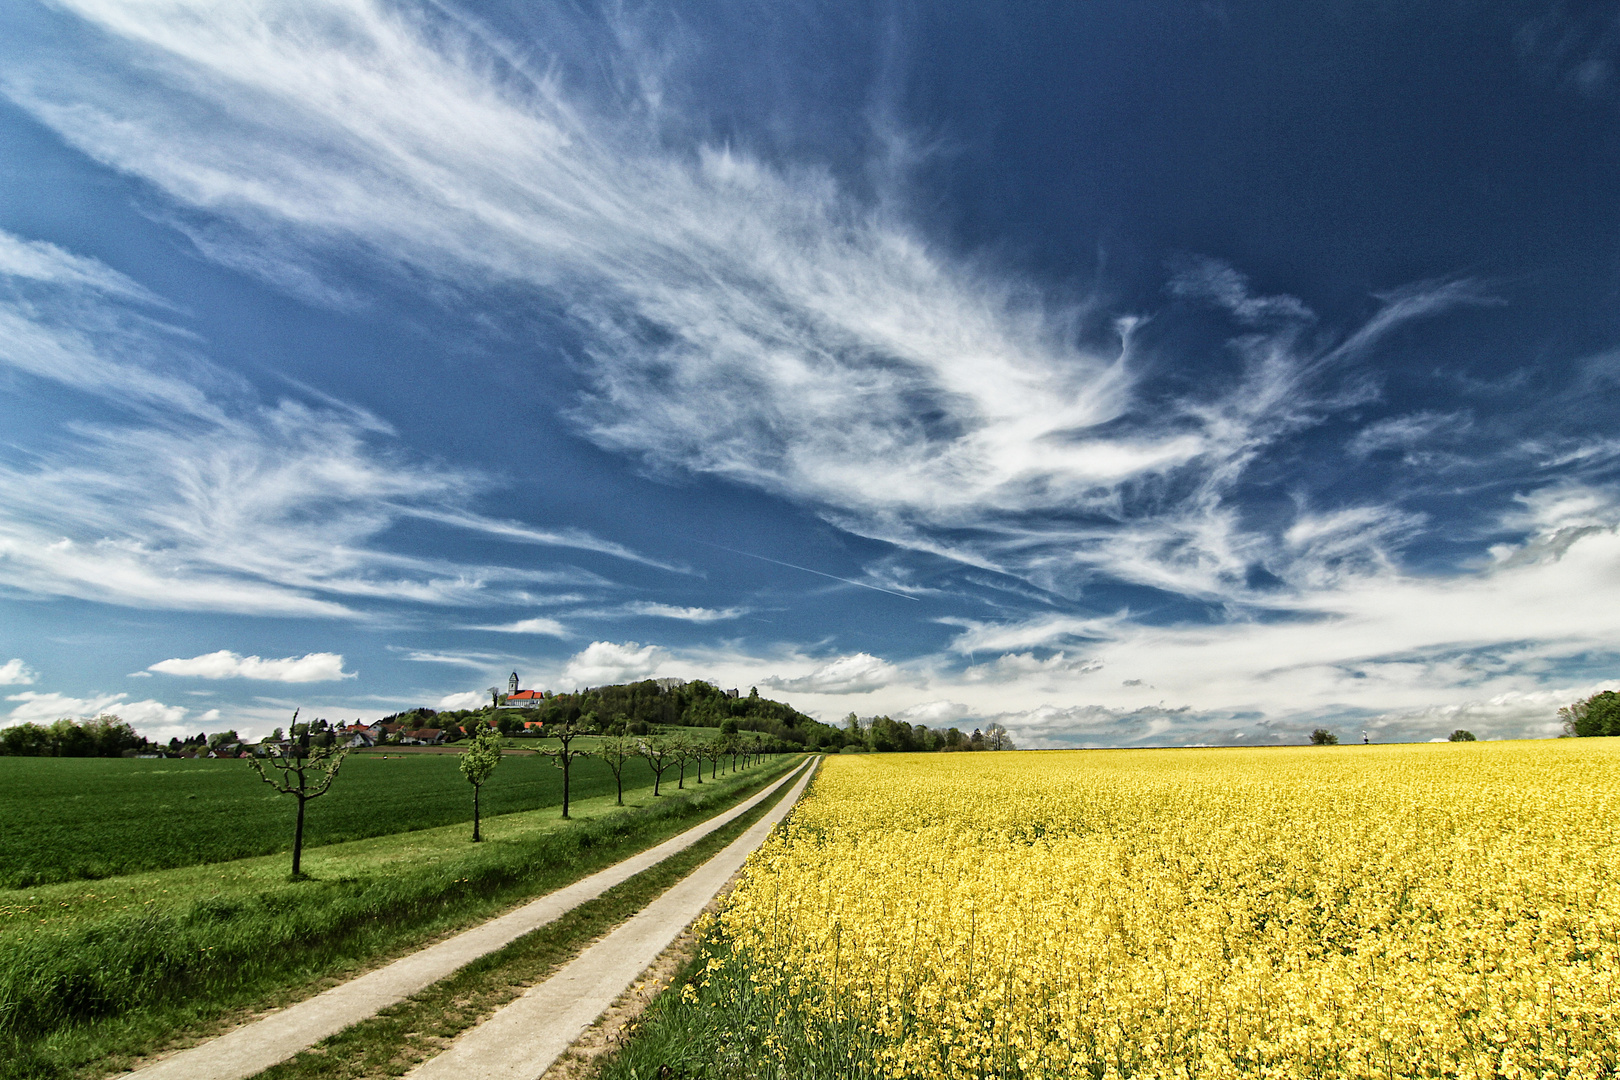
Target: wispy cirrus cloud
[(224, 664), (739, 319), (536, 625), (206, 498), (655, 610)]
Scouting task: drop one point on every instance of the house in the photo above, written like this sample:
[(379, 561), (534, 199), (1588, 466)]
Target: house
[(534, 726), (525, 699), (732, 693), (423, 737)]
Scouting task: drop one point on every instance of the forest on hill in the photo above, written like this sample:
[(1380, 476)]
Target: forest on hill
[(641, 707)]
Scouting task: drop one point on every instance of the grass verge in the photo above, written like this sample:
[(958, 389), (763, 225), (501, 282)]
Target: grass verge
[(404, 1035), (714, 1022), (83, 995)]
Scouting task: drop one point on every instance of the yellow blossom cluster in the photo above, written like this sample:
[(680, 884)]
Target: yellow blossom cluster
[(1442, 910)]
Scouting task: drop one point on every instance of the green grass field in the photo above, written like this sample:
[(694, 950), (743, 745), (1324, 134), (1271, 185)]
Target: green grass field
[(71, 819), (91, 971)]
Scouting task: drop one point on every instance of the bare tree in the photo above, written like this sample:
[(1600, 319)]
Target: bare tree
[(682, 750), (303, 771), (659, 755), (563, 755), (616, 751), (714, 750), (478, 761)]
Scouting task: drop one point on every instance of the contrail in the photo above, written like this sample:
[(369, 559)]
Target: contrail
[(806, 569)]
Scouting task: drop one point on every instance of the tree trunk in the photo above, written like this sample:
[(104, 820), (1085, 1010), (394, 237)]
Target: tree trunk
[(681, 786), (298, 837), (618, 778), (476, 837), (565, 781)]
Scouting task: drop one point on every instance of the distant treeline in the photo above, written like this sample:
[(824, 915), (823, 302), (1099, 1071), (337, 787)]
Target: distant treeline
[(638, 708), (105, 736), (641, 707)]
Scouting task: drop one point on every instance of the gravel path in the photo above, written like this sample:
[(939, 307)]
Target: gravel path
[(256, 1046), (524, 1038)]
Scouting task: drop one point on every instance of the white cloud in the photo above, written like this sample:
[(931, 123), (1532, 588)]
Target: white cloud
[(312, 667), (144, 715), (214, 500), (934, 714), (1406, 432), (470, 699), (16, 673), (1026, 665), (478, 661), (537, 625), (803, 341), (602, 663), (751, 322), (859, 673), (684, 614)]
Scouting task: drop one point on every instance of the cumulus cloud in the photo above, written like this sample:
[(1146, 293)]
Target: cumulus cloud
[(469, 699), (16, 673), (602, 663), (1394, 645), (144, 715), (312, 667), (934, 714), (856, 674)]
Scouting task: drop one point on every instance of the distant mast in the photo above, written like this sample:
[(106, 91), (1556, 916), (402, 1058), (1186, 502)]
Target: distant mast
[(512, 684)]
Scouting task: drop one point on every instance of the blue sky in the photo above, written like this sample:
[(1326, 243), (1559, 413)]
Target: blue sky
[(1130, 373)]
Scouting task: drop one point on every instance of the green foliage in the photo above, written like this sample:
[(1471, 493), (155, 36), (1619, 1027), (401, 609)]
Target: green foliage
[(1597, 715), (105, 736), (1324, 737), (1461, 736), (478, 762)]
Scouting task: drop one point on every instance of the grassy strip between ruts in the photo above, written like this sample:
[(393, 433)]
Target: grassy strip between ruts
[(404, 1035), (82, 1000)]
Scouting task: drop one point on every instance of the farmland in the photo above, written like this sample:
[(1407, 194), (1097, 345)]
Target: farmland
[(1406, 911), (91, 970), (77, 818)]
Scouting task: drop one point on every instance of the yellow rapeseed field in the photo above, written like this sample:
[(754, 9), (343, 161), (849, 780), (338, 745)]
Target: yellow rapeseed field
[(1416, 911)]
